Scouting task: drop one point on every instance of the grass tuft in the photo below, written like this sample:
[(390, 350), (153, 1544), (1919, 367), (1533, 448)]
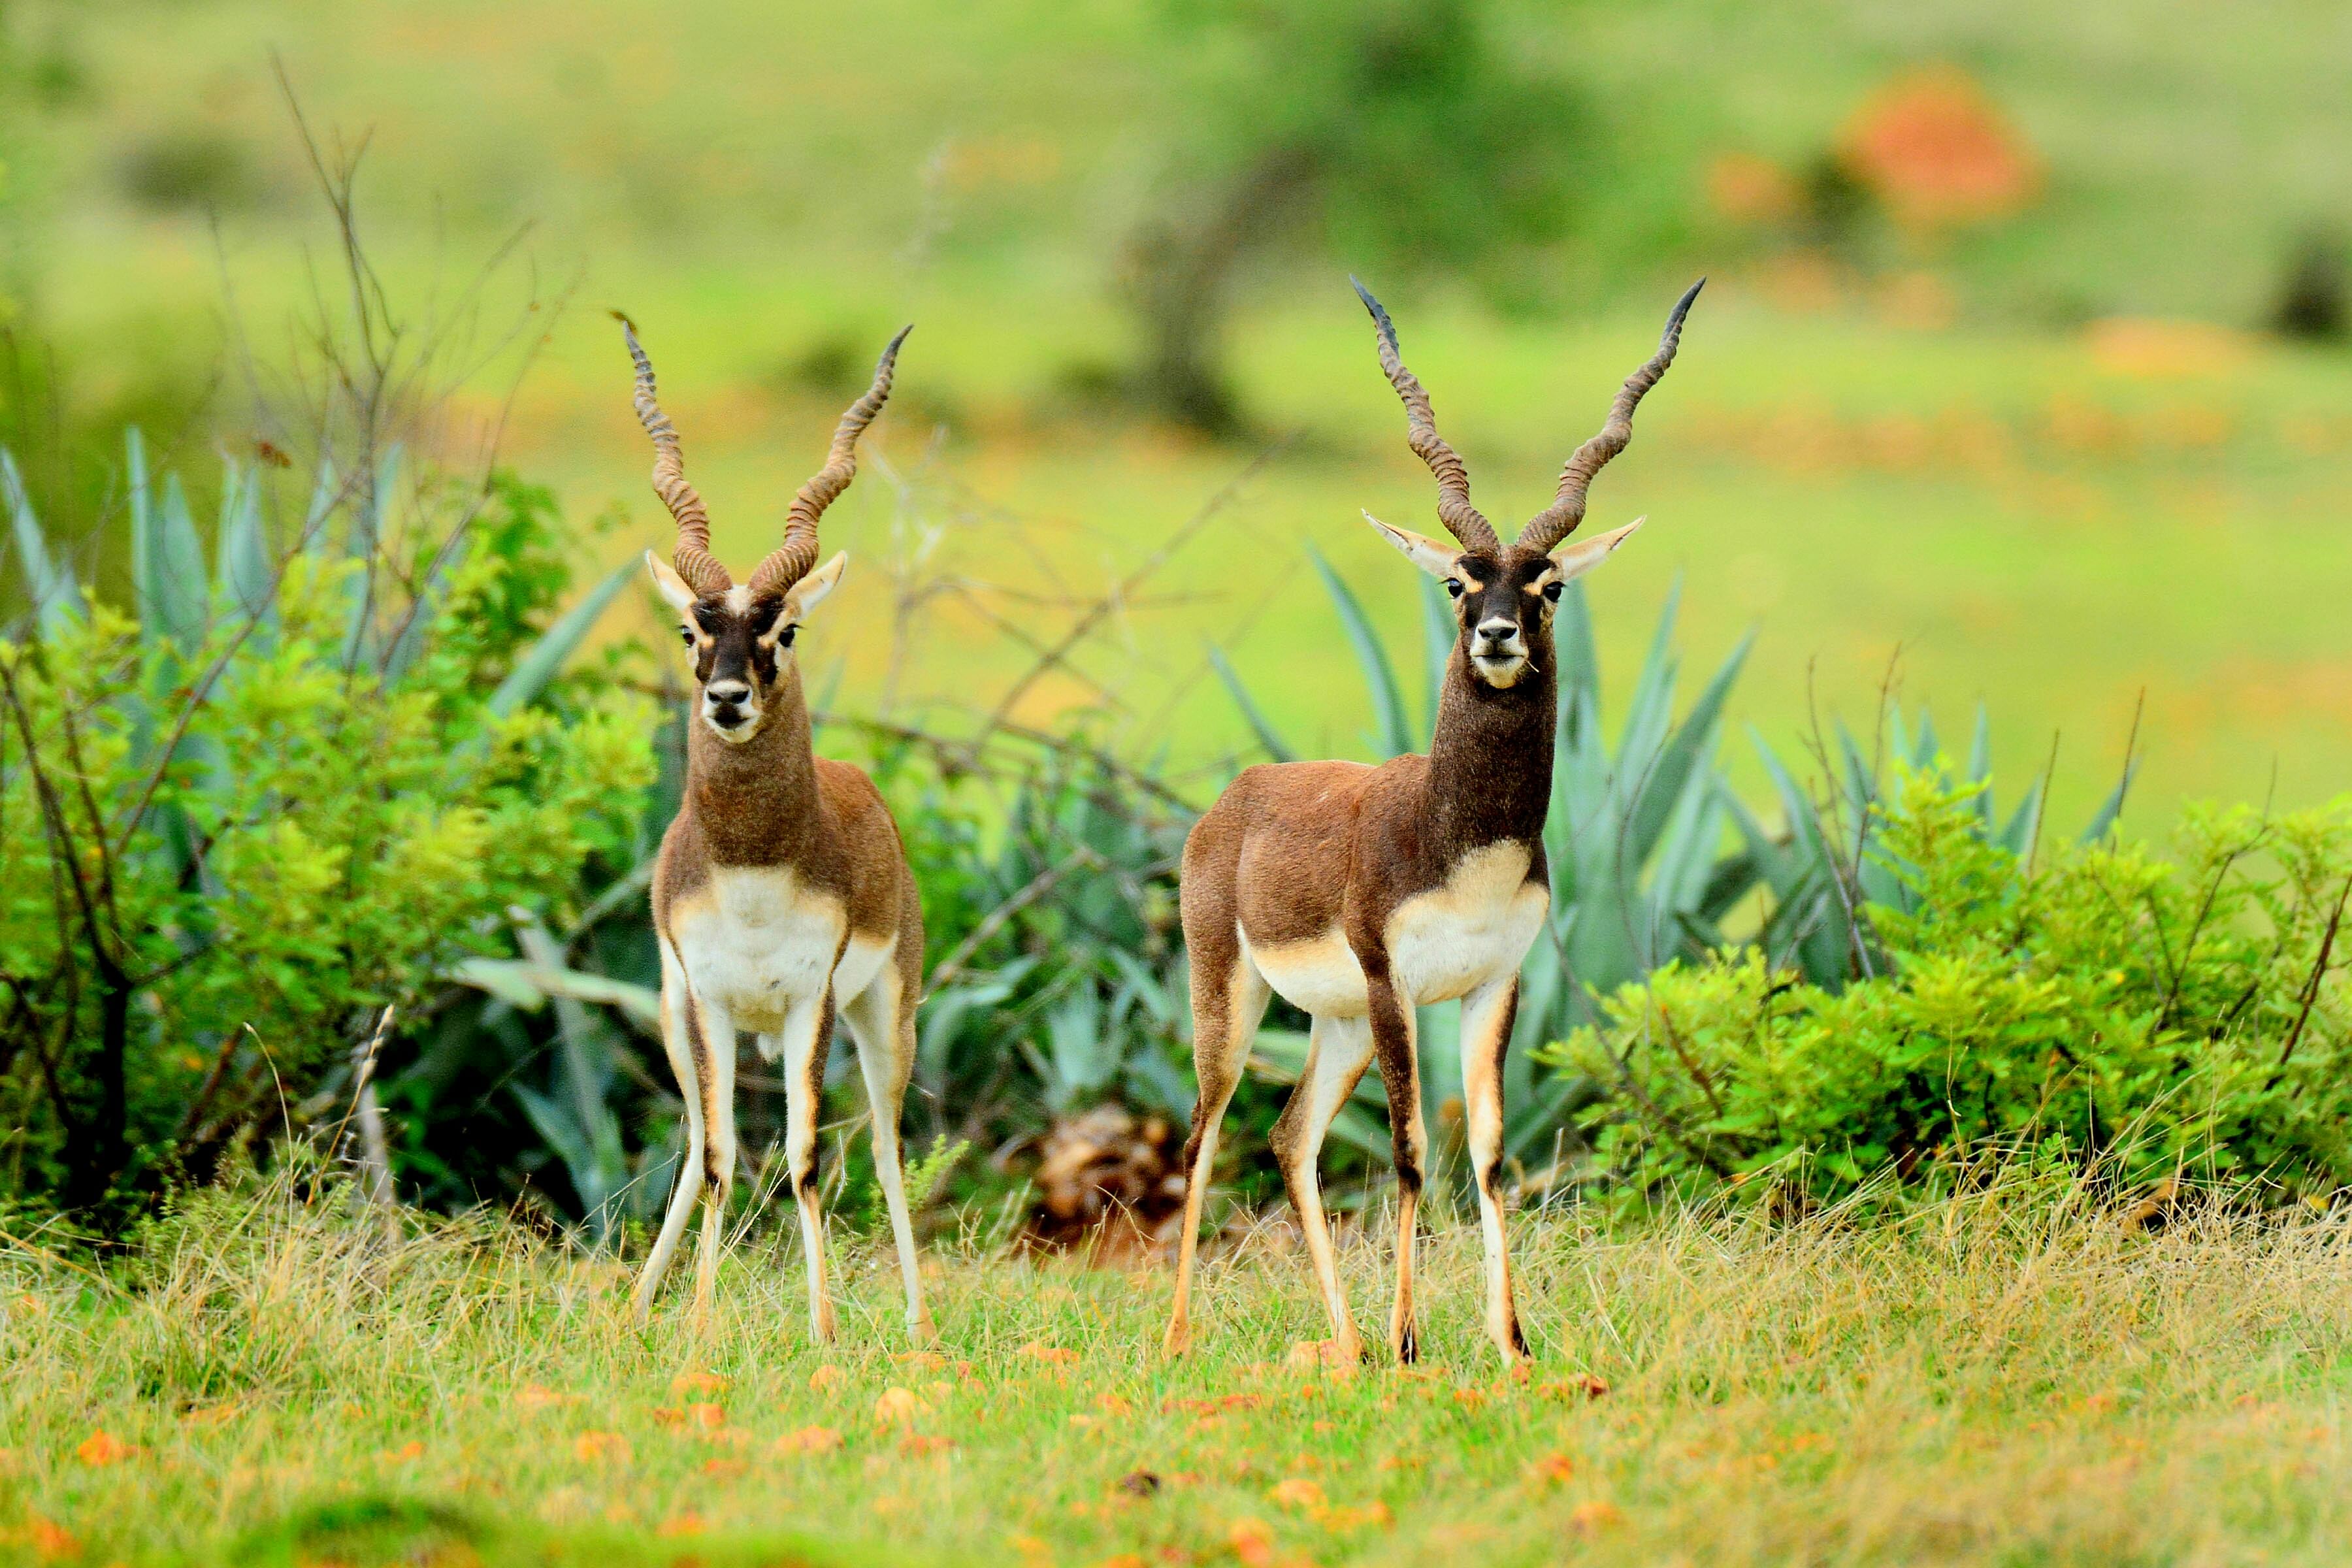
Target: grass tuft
[(2007, 1375)]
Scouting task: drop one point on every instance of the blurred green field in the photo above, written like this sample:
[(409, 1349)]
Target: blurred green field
[(2013, 470)]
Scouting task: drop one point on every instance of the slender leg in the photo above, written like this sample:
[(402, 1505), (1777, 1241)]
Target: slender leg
[(1337, 1054), (681, 1038), (1488, 1014), (808, 1031), (717, 1081), (1228, 997), (883, 1026), (1393, 1041)]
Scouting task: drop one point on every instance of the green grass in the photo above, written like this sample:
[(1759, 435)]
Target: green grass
[(2001, 509), (2001, 1379)]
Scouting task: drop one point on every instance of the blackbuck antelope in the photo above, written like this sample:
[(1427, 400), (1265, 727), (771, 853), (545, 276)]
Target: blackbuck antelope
[(781, 896), (1359, 892)]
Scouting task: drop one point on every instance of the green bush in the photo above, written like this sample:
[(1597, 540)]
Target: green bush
[(299, 788), (2104, 1007)]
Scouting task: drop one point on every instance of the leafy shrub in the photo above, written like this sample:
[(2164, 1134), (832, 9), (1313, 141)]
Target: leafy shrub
[(300, 786), (2106, 1007)]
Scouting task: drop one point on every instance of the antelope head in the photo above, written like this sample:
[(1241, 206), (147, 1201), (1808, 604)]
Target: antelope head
[(1505, 595), (739, 636)]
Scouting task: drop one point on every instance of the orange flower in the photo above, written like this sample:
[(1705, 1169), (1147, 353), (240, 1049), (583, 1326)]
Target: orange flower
[(685, 1523), (1340, 1520), (1296, 1492), (537, 1396), (1595, 1514), (825, 1377), (697, 1382), (103, 1447), (916, 1444), (708, 1417), (808, 1440), (1937, 150), (51, 1542), (1053, 1355), (723, 1469), (591, 1447), (1251, 1541), (897, 1408), (1552, 1469)]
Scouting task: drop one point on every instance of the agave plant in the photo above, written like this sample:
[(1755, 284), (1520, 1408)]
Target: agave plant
[(1635, 839)]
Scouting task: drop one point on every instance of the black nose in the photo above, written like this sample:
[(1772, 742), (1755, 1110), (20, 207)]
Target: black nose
[(727, 716), (1497, 634)]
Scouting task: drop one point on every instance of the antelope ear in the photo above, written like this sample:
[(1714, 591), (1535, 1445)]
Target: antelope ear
[(1426, 553), (1575, 560), (669, 585), (811, 590)]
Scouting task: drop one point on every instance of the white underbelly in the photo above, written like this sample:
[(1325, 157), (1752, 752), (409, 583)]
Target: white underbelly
[(1319, 976), (756, 943), (1472, 929), (1441, 954)]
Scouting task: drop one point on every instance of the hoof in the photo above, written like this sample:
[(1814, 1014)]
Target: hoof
[(1177, 1341)]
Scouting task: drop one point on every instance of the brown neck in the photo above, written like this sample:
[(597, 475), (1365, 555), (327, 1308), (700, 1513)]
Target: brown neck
[(1490, 761), (757, 802)]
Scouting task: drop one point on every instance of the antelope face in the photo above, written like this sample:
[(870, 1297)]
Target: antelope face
[(1504, 601), (741, 646)]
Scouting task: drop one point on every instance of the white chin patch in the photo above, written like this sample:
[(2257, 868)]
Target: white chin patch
[(1500, 674), (739, 734)]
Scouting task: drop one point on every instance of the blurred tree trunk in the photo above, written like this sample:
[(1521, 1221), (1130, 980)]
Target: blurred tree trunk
[(1183, 275)]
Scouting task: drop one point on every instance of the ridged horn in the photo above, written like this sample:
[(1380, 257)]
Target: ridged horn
[(1461, 519), (692, 557), (793, 560), (1557, 520)]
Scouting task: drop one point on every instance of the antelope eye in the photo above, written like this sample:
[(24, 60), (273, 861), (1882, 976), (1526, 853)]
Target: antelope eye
[(687, 633), (786, 636), (1453, 586), (1552, 591)]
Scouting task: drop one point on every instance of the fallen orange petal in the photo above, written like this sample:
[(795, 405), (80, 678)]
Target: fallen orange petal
[(103, 1447), (1053, 1355), (595, 1445), (51, 1542), (1595, 1514), (825, 1377), (897, 1406), (697, 1382), (808, 1440), (1251, 1541), (1296, 1492)]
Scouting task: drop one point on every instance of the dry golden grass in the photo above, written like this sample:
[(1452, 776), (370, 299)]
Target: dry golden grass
[(2004, 1378)]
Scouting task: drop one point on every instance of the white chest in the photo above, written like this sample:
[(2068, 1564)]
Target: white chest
[(753, 941), (1475, 928)]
